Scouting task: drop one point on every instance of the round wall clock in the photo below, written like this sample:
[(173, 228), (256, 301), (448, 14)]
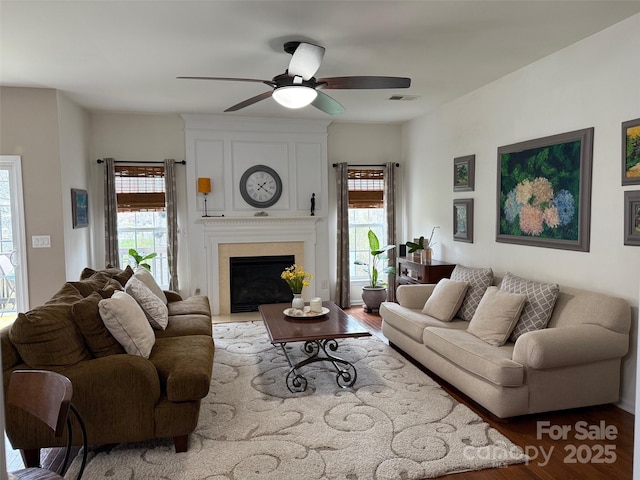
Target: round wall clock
[(260, 186)]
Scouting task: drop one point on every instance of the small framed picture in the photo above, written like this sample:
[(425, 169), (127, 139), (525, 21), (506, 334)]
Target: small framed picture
[(631, 152), (463, 220), (464, 172), (632, 218), (80, 208)]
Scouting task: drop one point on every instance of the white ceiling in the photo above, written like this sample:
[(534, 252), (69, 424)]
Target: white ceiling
[(125, 55)]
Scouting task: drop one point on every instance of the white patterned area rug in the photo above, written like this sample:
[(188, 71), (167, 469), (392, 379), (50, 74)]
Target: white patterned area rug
[(394, 423)]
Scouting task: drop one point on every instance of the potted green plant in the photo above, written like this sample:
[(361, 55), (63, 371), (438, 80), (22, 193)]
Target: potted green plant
[(423, 247), (375, 292), (139, 260)]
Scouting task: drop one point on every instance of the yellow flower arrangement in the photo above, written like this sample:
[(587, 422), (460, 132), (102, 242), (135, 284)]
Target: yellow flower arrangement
[(296, 278)]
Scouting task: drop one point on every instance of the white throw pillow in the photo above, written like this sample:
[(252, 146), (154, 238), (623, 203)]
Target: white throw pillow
[(128, 324), (496, 316), (445, 300), (156, 311), (145, 276)]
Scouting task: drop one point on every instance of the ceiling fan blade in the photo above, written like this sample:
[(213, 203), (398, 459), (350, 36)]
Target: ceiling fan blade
[(306, 60), (228, 79), (249, 101), (363, 82), (327, 104)]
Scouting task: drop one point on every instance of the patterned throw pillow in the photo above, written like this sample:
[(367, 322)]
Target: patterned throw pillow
[(145, 276), (155, 311), (541, 298), (479, 279)]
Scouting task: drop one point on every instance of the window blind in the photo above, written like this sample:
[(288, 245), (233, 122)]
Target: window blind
[(140, 188), (366, 188)]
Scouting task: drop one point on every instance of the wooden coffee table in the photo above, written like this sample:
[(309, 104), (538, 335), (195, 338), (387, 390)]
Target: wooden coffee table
[(318, 334)]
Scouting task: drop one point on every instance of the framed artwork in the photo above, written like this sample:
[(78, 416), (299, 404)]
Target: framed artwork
[(463, 220), (544, 191), (631, 152), (464, 172), (632, 218), (80, 208)]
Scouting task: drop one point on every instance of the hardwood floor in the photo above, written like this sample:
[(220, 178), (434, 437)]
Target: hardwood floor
[(572, 458), (552, 459)]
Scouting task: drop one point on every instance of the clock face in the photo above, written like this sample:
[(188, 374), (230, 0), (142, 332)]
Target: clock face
[(260, 186)]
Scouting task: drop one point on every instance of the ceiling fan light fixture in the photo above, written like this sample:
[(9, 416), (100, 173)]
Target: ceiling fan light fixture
[(294, 96)]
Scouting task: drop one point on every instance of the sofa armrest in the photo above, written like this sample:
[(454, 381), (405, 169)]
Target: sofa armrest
[(575, 345), (414, 296), (172, 296)]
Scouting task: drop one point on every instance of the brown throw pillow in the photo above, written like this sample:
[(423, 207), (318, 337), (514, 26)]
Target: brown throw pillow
[(86, 315), (92, 284), (47, 337)]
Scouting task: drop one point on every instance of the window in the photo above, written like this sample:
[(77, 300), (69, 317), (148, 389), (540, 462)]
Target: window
[(142, 218), (366, 211)]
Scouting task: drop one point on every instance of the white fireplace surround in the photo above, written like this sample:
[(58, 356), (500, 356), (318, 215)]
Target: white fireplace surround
[(251, 230)]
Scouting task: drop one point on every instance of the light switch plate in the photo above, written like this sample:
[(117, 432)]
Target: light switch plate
[(41, 241)]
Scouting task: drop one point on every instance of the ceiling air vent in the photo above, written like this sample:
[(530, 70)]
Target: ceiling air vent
[(405, 98)]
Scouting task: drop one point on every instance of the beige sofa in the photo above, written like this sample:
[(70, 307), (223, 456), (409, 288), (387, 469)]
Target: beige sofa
[(573, 362)]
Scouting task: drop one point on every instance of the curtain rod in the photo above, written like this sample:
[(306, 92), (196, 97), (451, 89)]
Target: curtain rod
[(181, 162), (359, 165)]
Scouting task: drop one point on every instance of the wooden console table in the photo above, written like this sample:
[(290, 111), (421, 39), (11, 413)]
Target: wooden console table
[(411, 273)]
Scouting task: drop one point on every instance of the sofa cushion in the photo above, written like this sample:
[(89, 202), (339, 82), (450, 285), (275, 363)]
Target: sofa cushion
[(446, 299), (479, 280), (183, 325), (184, 366), (154, 309), (412, 322), (476, 356), (67, 294), (541, 298), (92, 284), (496, 316), (145, 276), (109, 288), (197, 304), (86, 315), (127, 322), (121, 276), (47, 337)]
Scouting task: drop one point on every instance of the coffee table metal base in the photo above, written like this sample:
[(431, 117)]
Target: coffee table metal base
[(316, 351)]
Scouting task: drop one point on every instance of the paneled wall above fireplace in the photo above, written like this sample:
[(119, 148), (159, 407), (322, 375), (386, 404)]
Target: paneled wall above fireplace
[(222, 148)]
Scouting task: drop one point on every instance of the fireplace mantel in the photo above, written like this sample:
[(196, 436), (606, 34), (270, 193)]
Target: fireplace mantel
[(253, 230)]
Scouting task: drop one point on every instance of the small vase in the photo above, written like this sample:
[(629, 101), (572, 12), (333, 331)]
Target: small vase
[(425, 256), (297, 301)]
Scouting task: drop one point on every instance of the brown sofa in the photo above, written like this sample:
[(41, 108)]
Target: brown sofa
[(121, 397)]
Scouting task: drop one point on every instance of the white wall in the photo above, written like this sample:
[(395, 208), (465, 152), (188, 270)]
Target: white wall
[(137, 137), (73, 124), (593, 83), (29, 120), (361, 144)]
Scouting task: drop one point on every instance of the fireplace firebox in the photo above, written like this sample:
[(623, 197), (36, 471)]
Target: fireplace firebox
[(256, 280)]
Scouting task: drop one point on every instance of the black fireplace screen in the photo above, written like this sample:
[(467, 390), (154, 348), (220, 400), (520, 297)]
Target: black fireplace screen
[(256, 280)]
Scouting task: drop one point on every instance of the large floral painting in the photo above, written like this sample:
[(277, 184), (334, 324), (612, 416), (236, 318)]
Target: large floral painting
[(544, 191)]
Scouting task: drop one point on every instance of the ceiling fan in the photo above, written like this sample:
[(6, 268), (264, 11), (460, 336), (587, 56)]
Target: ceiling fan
[(297, 87)]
